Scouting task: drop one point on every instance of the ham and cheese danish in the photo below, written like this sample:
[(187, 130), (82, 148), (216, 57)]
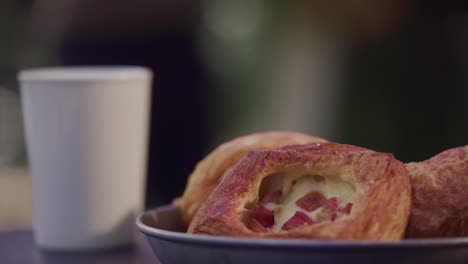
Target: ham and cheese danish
[(209, 172), (316, 191), (440, 195)]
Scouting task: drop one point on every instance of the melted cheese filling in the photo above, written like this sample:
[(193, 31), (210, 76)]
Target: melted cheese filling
[(294, 191)]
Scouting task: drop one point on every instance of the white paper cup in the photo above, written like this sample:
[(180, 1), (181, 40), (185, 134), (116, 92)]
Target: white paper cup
[(86, 136)]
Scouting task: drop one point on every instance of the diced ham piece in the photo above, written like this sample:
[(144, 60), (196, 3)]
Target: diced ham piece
[(331, 207), (311, 201), (347, 208), (271, 197), (262, 219), (263, 216), (298, 219), (255, 226)]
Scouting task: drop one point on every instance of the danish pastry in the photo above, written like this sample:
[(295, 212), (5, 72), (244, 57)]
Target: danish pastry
[(210, 170), (316, 190), (440, 195)]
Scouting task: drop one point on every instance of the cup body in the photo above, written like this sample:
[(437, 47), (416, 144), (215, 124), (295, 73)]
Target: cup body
[(86, 137)]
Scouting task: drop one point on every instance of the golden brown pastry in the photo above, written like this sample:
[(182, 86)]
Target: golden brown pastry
[(317, 190), (440, 195), (209, 171)]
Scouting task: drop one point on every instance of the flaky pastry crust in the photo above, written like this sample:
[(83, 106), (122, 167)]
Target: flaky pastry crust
[(440, 195), (209, 171), (380, 183)]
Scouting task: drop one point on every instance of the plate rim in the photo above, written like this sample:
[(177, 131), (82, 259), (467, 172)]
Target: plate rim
[(220, 241)]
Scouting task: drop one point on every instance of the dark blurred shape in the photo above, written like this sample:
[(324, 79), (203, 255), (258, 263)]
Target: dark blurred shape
[(368, 19), (179, 133), (408, 92)]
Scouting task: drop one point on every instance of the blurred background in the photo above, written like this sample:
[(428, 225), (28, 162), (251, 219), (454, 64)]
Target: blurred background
[(389, 75)]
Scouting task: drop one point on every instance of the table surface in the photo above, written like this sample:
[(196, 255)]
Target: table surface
[(19, 247)]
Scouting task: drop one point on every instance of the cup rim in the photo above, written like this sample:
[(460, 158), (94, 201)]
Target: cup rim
[(85, 73)]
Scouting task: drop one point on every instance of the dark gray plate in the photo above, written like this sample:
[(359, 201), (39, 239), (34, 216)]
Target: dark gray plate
[(165, 233)]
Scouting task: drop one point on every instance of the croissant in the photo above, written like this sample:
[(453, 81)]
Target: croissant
[(440, 195), (316, 190), (209, 171)]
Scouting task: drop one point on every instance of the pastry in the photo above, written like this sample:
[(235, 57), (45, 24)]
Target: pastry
[(440, 195), (209, 171), (312, 191)]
